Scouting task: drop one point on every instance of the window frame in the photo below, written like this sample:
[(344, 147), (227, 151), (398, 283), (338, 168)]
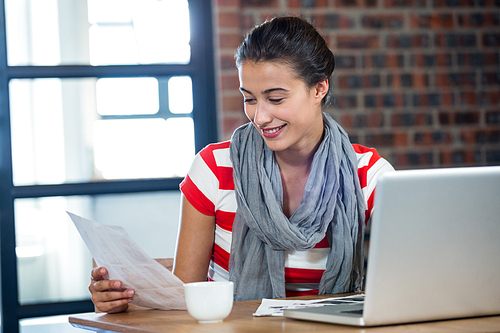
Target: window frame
[(202, 73)]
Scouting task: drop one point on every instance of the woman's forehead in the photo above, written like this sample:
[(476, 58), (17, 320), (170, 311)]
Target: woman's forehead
[(265, 75)]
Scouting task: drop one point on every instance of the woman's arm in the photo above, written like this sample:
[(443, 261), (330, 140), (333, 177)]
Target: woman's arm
[(194, 244)]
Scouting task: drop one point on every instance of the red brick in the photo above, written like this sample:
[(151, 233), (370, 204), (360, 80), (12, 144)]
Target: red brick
[(407, 40), (331, 21), (358, 42), (375, 119), (230, 124), (404, 3), (348, 3), (457, 157), (232, 103), (227, 62), (455, 4), (411, 119), (445, 158), (392, 139), (230, 82), (307, 3), (230, 40), (467, 118), (294, 3), (468, 98), (412, 159), (346, 101), (392, 21), (479, 98), (229, 20), (475, 20), (420, 80), (228, 3), (447, 99), (431, 60), (411, 80), (247, 21), (454, 40), (401, 139), (268, 15), (259, 3), (443, 59), (468, 137), (393, 60), (431, 21), (346, 121), (430, 138)]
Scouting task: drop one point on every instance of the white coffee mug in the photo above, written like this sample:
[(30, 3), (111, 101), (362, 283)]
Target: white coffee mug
[(209, 302)]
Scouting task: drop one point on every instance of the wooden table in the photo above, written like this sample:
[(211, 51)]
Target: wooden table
[(241, 320)]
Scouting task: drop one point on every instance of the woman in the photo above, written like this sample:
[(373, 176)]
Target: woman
[(288, 196)]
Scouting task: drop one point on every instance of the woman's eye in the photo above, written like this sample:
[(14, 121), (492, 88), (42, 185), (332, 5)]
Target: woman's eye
[(249, 100), (276, 100)]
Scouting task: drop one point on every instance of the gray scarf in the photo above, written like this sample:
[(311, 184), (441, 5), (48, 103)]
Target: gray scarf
[(332, 205)]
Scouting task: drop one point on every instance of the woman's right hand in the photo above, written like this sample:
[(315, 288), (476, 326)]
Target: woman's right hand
[(108, 295)]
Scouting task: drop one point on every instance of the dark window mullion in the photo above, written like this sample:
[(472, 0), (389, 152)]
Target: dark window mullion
[(35, 72), (55, 308), (96, 188), (8, 267), (204, 91)]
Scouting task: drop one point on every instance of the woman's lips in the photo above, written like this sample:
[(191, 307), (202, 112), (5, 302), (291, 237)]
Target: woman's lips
[(271, 133)]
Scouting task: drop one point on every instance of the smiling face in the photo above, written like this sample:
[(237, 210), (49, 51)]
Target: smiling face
[(282, 107)]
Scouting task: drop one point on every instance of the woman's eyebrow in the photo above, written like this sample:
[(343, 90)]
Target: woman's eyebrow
[(265, 92), (244, 90)]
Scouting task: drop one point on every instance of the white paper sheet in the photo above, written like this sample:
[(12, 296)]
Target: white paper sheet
[(275, 307), (155, 286)]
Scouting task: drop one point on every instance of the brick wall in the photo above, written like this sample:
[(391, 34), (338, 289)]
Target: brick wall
[(417, 79)]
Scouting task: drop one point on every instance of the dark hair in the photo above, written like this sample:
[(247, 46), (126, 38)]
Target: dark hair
[(295, 42)]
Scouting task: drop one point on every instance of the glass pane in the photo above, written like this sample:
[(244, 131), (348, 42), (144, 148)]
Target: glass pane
[(110, 11), (180, 94), (126, 96), (180, 131), (112, 45), (58, 136), (49, 244), (97, 32)]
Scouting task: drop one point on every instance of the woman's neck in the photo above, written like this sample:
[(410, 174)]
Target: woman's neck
[(298, 158), (295, 166)]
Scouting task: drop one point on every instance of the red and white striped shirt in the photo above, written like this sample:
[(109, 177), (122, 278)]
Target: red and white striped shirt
[(209, 187)]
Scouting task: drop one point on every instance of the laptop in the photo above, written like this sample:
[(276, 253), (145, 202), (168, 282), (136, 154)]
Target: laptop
[(434, 250)]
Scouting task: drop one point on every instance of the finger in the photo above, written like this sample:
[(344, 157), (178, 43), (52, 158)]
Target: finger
[(111, 296), (113, 301), (98, 273), (114, 306), (104, 285)]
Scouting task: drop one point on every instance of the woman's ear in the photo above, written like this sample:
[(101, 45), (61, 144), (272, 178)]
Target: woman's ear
[(321, 90)]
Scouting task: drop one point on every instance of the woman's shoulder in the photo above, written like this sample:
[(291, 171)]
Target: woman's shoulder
[(362, 150), (366, 155), (219, 148), (216, 155), (370, 161)]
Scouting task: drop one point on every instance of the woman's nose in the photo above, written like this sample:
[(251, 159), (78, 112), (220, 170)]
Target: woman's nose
[(262, 116)]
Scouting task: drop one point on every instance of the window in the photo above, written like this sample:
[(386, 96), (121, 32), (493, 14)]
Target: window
[(103, 104)]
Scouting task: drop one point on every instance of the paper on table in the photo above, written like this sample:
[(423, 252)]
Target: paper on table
[(155, 286), (275, 307)]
